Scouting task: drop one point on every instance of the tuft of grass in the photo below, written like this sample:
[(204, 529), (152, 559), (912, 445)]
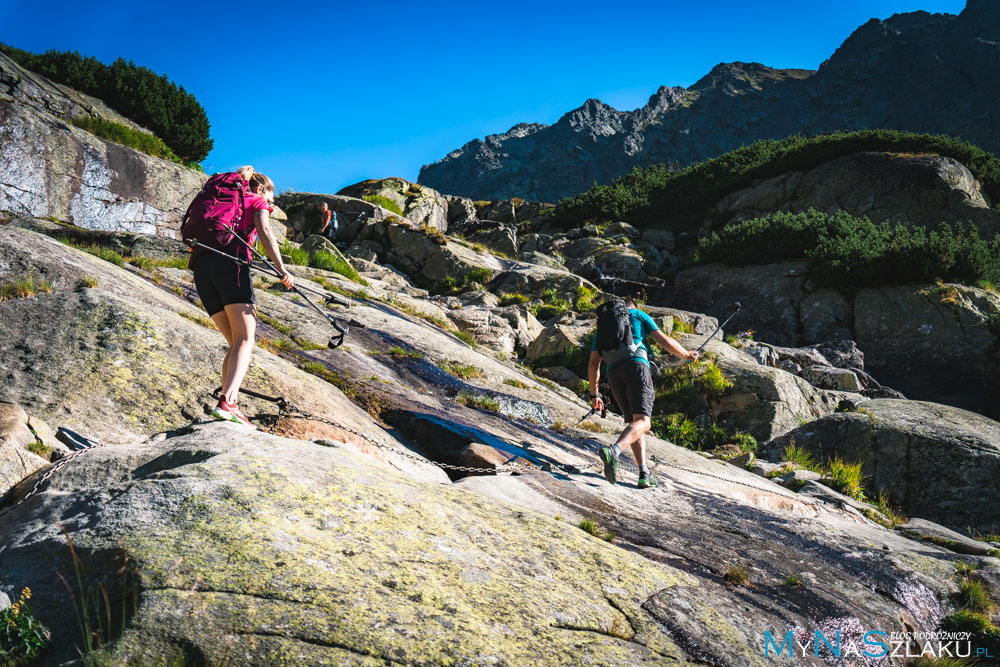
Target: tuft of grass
[(91, 281), (275, 324), (682, 327), (295, 255), (148, 143), (99, 251), (22, 288), (399, 351), (384, 202), (517, 383), (793, 580), (466, 338), (587, 299), (329, 262), (459, 370), (972, 595), (590, 526), (551, 305), (198, 319), (339, 380), (801, 458), (845, 478), (39, 448), (737, 575), (591, 427), (470, 400), (888, 515), (509, 299)]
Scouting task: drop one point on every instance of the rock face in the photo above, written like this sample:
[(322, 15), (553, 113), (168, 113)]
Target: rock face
[(923, 190), (931, 342), (738, 103), (50, 168), (933, 461)]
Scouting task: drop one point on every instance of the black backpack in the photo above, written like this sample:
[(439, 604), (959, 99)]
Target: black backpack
[(614, 339)]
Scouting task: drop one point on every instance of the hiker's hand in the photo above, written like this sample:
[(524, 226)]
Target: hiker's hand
[(287, 281), (597, 403), (692, 356)]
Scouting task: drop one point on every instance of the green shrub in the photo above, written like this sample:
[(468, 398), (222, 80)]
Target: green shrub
[(845, 478), (587, 299), (793, 580), (22, 636), (745, 441), (385, 203), (125, 135), (507, 299), (460, 370), (295, 255), (589, 526), (801, 458), (329, 262), (149, 99), (844, 251), (682, 197)]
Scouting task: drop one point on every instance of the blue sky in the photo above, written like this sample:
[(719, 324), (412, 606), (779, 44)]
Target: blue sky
[(319, 95)]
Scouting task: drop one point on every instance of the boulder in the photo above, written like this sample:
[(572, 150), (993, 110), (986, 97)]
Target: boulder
[(628, 230), (541, 260), (620, 262), (697, 323), (16, 461), (764, 354), (536, 243), (561, 376), (478, 298), (500, 238), (662, 239), (535, 280), (418, 203), (933, 342), (826, 377), (526, 327), (796, 478), (582, 248), (49, 168), (931, 460), (560, 338), (316, 244), (460, 210), (823, 492), (488, 328), (944, 537), (842, 354), (432, 260)]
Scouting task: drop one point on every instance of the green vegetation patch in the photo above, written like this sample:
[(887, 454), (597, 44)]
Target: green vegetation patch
[(471, 400), (844, 251), (24, 287), (384, 202), (683, 196), (123, 134), (329, 262), (22, 636), (460, 370), (508, 299), (295, 254)]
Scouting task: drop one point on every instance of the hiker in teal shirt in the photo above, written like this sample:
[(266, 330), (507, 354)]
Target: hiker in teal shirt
[(632, 388)]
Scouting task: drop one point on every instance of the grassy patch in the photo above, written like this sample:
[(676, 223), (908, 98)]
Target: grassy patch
[(587, 299), (801, 458), (845, 478), (39, 448), (89, 282), (591, 527), (471, 400), (551, 305), (99, 251), (126, 136), (384, 202), (509, 298), (329, 262), (466, 338), (591, 427), (972, 595), (339, 380), (25, 287), (459, 370), (295, 255), (477, 276), (793, 580), (517, 383), (737, 575), (275, 324)]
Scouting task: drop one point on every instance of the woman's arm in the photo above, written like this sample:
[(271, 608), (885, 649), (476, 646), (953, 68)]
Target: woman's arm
[(271, 246), (594, 375)]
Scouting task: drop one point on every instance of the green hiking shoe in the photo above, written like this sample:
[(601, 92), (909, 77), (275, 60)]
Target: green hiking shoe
[(610, 464), (647, 481)]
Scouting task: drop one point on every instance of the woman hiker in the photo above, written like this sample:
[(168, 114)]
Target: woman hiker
[(632, 389), (226, 290)]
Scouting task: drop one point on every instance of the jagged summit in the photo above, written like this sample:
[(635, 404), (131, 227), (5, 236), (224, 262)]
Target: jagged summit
[(917, 71)]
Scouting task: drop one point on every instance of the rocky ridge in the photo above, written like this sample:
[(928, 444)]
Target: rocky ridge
[(736, 104)]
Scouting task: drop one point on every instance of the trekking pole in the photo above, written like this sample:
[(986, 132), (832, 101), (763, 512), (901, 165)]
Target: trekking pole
[(718, 329), (604, 414), (342, 329)]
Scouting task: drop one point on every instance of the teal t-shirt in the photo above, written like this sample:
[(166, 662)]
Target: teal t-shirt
[(642, 326)]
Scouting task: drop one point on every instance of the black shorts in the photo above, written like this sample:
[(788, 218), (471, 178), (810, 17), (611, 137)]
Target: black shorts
[(221, 281), (632, 387)]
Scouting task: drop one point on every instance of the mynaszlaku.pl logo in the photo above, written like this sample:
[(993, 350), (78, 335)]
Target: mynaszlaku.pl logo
[(873, 645)]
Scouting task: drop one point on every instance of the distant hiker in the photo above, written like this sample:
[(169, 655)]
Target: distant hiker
[(236, 203), (328, 228), (622, 330)]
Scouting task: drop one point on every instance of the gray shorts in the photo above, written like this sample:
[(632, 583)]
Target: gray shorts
[(632, 388)]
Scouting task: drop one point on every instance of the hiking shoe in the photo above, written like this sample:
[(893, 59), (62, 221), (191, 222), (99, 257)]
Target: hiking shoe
[(226, 411), (647, 481), (610, 464)]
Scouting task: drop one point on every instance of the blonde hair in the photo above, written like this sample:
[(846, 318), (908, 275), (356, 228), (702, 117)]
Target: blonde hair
[(260, 179), (246, 172)]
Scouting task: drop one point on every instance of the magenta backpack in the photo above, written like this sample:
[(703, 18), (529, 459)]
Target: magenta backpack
[(216, 214)]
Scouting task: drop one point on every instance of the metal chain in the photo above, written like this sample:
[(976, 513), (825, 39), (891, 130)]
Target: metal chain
[(53, 470)]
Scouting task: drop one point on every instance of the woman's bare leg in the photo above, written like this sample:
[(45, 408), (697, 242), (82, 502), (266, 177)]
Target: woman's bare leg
[(242, 324), (222, 324)]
